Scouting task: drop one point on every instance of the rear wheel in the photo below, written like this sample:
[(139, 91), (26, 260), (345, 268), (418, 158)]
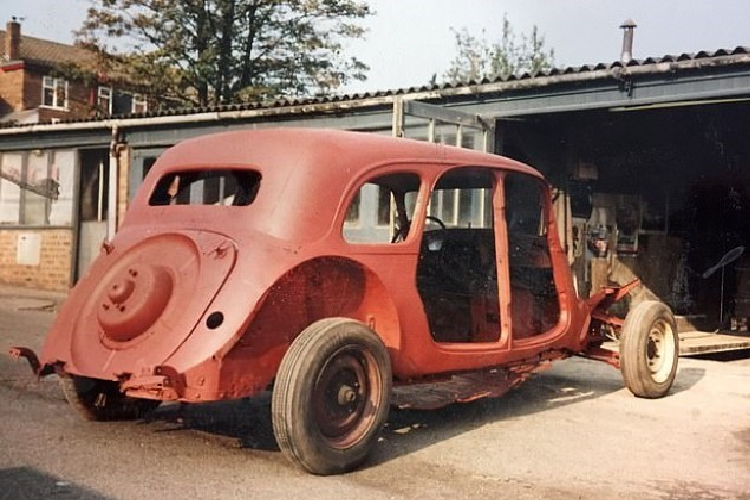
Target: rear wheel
[(649, 349), (101, 400), (331, 396)]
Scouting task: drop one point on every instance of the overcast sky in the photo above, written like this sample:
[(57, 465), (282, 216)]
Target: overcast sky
[(409, 40)]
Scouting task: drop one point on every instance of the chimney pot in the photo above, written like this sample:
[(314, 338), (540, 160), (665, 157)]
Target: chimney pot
[(628, 27), (13, 40)]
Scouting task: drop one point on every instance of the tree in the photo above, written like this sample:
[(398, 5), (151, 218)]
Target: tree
[(477, 58), (213, 51)]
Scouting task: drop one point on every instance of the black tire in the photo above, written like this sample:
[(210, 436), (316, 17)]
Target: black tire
[(649, 350), (101, 400), (331, 396)]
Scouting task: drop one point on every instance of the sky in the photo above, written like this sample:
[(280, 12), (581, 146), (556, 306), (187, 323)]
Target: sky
[(410, 40)]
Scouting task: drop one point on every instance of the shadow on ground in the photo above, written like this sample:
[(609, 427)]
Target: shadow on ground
[(734, 355), (27, 483), (686, 378), (249, 421)]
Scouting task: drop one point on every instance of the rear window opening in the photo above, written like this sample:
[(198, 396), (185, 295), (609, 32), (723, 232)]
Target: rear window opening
[(230, 187)]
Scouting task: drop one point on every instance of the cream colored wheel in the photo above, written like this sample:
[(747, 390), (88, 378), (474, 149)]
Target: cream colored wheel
[(649, 349)]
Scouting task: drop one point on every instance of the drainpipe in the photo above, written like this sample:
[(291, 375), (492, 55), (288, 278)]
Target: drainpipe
[(114, 156)]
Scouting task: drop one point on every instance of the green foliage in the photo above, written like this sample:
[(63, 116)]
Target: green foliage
[(478, 58), (213, 51)]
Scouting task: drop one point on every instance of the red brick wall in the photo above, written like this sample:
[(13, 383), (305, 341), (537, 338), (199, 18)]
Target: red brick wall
[(32, 96), (53, 271), (11, 91)]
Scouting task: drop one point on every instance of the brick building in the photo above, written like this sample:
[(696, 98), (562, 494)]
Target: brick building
[(35, 86)]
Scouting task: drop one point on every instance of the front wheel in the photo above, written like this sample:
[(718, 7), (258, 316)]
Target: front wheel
[(331, 396), (649, 349)]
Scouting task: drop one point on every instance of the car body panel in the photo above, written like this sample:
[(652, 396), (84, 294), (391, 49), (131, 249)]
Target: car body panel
[(266, 271)]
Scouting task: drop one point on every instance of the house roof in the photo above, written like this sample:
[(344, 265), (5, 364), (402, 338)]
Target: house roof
[(48, 53)]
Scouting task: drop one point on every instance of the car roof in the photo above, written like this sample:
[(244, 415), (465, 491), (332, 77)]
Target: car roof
[(319, 151), (304, 172)]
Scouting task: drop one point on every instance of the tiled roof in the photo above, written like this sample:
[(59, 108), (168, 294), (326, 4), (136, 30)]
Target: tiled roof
[(46, 52)]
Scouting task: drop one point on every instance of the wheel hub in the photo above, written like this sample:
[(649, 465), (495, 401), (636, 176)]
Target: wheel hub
[(133, 301), (342, 400), (659, 351), (347, 395)]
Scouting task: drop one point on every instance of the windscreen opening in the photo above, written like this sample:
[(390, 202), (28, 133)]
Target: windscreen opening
[(228, 187)]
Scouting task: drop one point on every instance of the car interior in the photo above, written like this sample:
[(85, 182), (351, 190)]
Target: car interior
[(457, 274)]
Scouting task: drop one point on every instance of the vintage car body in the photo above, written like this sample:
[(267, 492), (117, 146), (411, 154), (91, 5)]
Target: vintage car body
[(201, 302)]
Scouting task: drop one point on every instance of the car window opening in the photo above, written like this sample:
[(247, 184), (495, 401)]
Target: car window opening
[(391, 201), (227, 187), (534, 296)]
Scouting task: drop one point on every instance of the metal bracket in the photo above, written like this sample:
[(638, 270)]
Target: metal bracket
[(33, 359)]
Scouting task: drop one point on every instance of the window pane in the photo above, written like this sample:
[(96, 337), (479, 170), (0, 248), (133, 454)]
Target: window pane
[(384, 206), (139, 104), (39, 189), (466, 201), (94, 185), (105, 100), (449, 206), (48, 97), (352, 213), (411, 202), (62, 178), (10, 193), (61, 93)]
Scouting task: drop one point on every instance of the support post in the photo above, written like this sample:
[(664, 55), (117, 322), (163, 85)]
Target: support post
[(397, 127)]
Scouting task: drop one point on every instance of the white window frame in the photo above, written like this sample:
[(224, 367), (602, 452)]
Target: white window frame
[(52, 83), (139, 100), (104, 92)]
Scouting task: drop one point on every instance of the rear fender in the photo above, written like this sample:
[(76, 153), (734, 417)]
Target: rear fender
[(319, 288)]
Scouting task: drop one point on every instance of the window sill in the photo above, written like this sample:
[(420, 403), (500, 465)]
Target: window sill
[(32, 227), (56, 108)]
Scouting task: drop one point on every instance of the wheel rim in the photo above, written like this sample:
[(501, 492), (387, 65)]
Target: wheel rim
[(660, 351), (346, 395)]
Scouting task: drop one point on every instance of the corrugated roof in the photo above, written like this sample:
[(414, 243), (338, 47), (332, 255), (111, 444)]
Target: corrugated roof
[(48, 53), (667, 64)]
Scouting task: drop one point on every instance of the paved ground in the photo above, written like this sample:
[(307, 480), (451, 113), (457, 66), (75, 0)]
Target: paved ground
[(572, 432)]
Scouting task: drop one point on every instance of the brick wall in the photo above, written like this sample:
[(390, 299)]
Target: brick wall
[(53, 271), (32, 95), (11, 90)]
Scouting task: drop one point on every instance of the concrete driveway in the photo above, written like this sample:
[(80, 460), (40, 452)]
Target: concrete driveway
[(571, 432)]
